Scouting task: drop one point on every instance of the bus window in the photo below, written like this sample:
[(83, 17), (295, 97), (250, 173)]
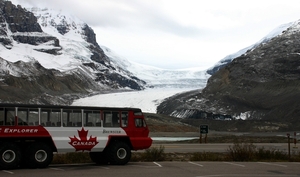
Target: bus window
[(1, 116), (139, 122), (111, 119), (124, 120), (55, 117), (22, 116), (107, 122), (72, 118), (65, 118), (75, 117), (115, 119), (44, 118), (28, 116), (92, 118), (50, 117), (10, 116), (33, 116)]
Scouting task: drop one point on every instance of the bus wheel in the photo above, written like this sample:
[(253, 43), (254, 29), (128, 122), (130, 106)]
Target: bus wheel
[(119, 153), (39, 155), (10, 156), (98, 158)]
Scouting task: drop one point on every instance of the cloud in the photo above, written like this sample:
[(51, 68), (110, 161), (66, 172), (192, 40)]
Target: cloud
[(129, 14), (177, 33)]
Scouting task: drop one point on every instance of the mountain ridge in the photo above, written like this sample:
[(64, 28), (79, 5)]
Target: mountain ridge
[(223, 62), (71, 51), (261, 84), (68, 47)]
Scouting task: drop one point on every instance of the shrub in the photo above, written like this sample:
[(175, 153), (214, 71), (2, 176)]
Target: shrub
[(270, 154), (295, 156), (154, 154), (249, 152), (241, 152)]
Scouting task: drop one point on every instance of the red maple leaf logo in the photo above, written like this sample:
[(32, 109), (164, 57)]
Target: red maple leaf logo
[(83, 143)]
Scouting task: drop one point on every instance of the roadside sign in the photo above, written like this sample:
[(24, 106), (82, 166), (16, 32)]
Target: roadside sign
[(203, 129)]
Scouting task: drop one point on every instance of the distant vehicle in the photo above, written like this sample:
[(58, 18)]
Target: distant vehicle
[(30, 134)]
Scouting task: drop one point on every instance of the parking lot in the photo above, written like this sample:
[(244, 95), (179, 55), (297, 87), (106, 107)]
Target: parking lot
[(163, 169)]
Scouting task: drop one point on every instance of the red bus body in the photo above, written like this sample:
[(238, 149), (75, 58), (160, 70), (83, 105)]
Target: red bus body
[(33, 132)]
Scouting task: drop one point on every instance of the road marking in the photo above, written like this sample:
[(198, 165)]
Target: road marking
[(272, 164), (157, 164), (234, 164), (10, 172), (196, 164)]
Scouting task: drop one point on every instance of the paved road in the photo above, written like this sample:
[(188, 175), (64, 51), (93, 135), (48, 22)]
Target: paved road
[(163, 169), (219, 147), (218, 133)]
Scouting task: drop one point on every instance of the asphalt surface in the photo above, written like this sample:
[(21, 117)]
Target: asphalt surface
[(218, 133), (163, 169)]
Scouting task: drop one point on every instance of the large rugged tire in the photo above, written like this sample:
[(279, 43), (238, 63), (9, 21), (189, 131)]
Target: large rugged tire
[(99, 158), (118, 153), (10, 156), (38, 155)]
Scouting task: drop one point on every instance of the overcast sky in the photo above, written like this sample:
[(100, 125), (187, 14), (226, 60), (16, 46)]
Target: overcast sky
[(174, 34)]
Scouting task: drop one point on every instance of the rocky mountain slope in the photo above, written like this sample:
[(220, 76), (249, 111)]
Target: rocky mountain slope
[(263, 83), (226, 60), (48, 54)]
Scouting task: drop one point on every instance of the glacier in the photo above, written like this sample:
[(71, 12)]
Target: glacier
[(161, 84)]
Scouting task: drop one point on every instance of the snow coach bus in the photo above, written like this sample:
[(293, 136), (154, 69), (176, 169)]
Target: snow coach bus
[(30, 134)]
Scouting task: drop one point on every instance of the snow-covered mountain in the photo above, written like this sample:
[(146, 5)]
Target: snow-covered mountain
[(223, 62), (262, 83), (62, 46), (55, 43), (71, 45), (68, 29)]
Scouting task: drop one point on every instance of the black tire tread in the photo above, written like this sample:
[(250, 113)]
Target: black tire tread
[(30, 159), (112, 151), (99, 158), (16, 149)]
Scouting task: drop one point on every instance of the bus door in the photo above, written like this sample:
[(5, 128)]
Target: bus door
[(141, 128)]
